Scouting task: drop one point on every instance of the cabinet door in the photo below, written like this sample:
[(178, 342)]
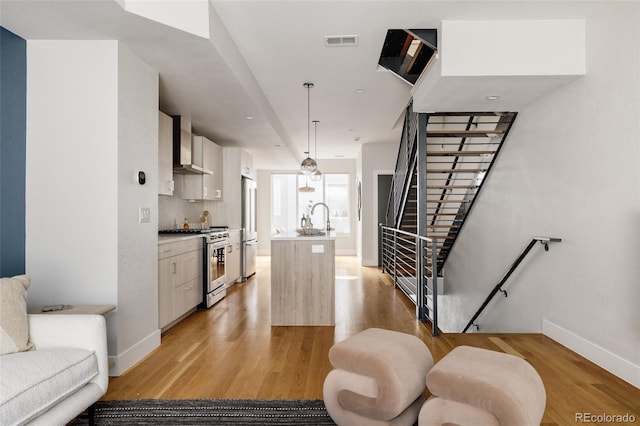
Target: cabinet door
[(190, 266), (179, 279), (165, 154), (167, 280), (216, 167), (233, 257), (186, 297), (208, 181), (246, 165)]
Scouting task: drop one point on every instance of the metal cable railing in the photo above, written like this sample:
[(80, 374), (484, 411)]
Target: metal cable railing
[(411, 260)]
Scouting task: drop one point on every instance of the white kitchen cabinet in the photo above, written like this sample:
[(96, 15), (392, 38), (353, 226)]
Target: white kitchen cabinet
[(204, 186), (246, 165), (233, 257), (180, 281), (216, 177), (234, 159), (165, 154)]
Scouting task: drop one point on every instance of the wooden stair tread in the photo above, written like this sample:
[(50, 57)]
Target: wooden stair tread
[(460, 153), (452, 186), (462, 133), (455, 170), (433, 200)]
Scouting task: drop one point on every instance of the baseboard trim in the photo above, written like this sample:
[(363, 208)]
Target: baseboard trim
[(369, 262), (120, 363), (615, 364)]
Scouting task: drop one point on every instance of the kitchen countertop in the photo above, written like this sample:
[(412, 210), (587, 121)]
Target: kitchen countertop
[(172, 238), (293, 235)]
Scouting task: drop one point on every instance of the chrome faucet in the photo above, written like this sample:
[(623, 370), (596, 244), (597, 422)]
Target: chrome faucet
[(328, 214)]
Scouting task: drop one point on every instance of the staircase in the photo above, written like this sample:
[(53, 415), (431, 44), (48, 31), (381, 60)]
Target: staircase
[(443, 161)]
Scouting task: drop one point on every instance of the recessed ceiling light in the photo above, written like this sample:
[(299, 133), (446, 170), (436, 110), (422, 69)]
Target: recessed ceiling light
[(277, 145), (357, 138), (249, 117), (493, 98), (359, 90)]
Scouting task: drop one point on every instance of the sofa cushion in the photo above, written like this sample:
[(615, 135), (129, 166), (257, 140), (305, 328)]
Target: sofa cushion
[(34, 381), (14, 328)]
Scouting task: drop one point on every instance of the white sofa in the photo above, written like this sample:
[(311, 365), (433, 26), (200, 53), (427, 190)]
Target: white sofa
[(65, 374)]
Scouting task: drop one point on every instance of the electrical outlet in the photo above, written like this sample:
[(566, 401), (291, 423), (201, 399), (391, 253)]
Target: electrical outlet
[(317, 248), (144, 214)]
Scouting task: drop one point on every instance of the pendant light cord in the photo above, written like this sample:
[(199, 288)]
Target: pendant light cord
[(308, 119), (315, 146)]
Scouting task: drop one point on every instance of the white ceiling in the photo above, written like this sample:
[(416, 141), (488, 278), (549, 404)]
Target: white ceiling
[(261, 52)]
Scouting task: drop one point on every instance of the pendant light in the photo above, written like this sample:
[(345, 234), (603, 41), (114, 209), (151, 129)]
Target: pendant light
[(309, 165), (315, 177), (306, 187)]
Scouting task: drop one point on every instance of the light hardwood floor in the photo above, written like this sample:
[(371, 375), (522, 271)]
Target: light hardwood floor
[(231, 351)]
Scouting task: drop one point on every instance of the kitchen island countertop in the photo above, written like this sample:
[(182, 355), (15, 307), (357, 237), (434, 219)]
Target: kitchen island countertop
[(293, 235)]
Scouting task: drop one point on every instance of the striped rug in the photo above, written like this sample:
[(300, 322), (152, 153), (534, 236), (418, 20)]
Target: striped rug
[(208, 411)]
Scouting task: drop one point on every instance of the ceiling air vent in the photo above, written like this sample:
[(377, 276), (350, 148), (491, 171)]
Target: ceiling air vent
[(341, 40)]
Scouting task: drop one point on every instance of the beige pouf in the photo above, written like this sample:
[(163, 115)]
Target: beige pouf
[(378, 379), (473, 386)]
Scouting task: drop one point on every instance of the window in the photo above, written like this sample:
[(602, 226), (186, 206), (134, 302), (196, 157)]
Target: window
[(288, 204)]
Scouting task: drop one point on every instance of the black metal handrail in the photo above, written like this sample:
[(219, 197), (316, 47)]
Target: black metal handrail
[(498, 287), (405, 163)]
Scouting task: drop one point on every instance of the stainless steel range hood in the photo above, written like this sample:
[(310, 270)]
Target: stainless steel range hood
[(185, 160)]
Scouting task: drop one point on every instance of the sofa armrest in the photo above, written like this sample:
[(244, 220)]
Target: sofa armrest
[(76, 331)]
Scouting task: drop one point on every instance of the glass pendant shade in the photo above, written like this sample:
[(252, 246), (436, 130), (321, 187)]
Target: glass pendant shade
[(316, 176), (308, 166)]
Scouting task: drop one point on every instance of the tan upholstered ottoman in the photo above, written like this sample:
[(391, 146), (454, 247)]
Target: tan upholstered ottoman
[(473, 386), (378, 379)]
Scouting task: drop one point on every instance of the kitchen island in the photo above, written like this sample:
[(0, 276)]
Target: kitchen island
[(302, 279)]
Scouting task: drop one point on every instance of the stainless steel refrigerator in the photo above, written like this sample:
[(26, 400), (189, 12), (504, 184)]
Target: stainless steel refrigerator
[(249, 229)]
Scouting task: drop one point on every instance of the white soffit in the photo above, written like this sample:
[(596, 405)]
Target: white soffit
[(191, 16), (519, 61)]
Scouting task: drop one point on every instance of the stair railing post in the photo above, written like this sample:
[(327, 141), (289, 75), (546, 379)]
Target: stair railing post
[(434, 280), (421, 216), (421, 283), (395, 259)]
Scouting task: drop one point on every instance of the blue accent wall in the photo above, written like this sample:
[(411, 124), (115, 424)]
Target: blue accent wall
[(13, 138)]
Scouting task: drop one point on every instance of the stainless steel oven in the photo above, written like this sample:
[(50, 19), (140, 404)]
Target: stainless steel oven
[(215, 280)]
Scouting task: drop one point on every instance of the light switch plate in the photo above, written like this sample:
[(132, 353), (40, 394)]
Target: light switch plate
[(144, 214), (317, 248)]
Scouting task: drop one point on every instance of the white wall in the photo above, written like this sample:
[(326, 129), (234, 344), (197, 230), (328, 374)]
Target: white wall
[(569, 169), (92, 123), (72, 166), (137, 316), (533, 47), (376, 158), (345, 245)]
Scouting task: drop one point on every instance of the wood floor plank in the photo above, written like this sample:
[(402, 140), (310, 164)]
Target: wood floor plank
[(231, 351)]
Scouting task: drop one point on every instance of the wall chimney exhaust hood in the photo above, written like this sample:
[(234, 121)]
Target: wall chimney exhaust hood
[(186, 159)]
